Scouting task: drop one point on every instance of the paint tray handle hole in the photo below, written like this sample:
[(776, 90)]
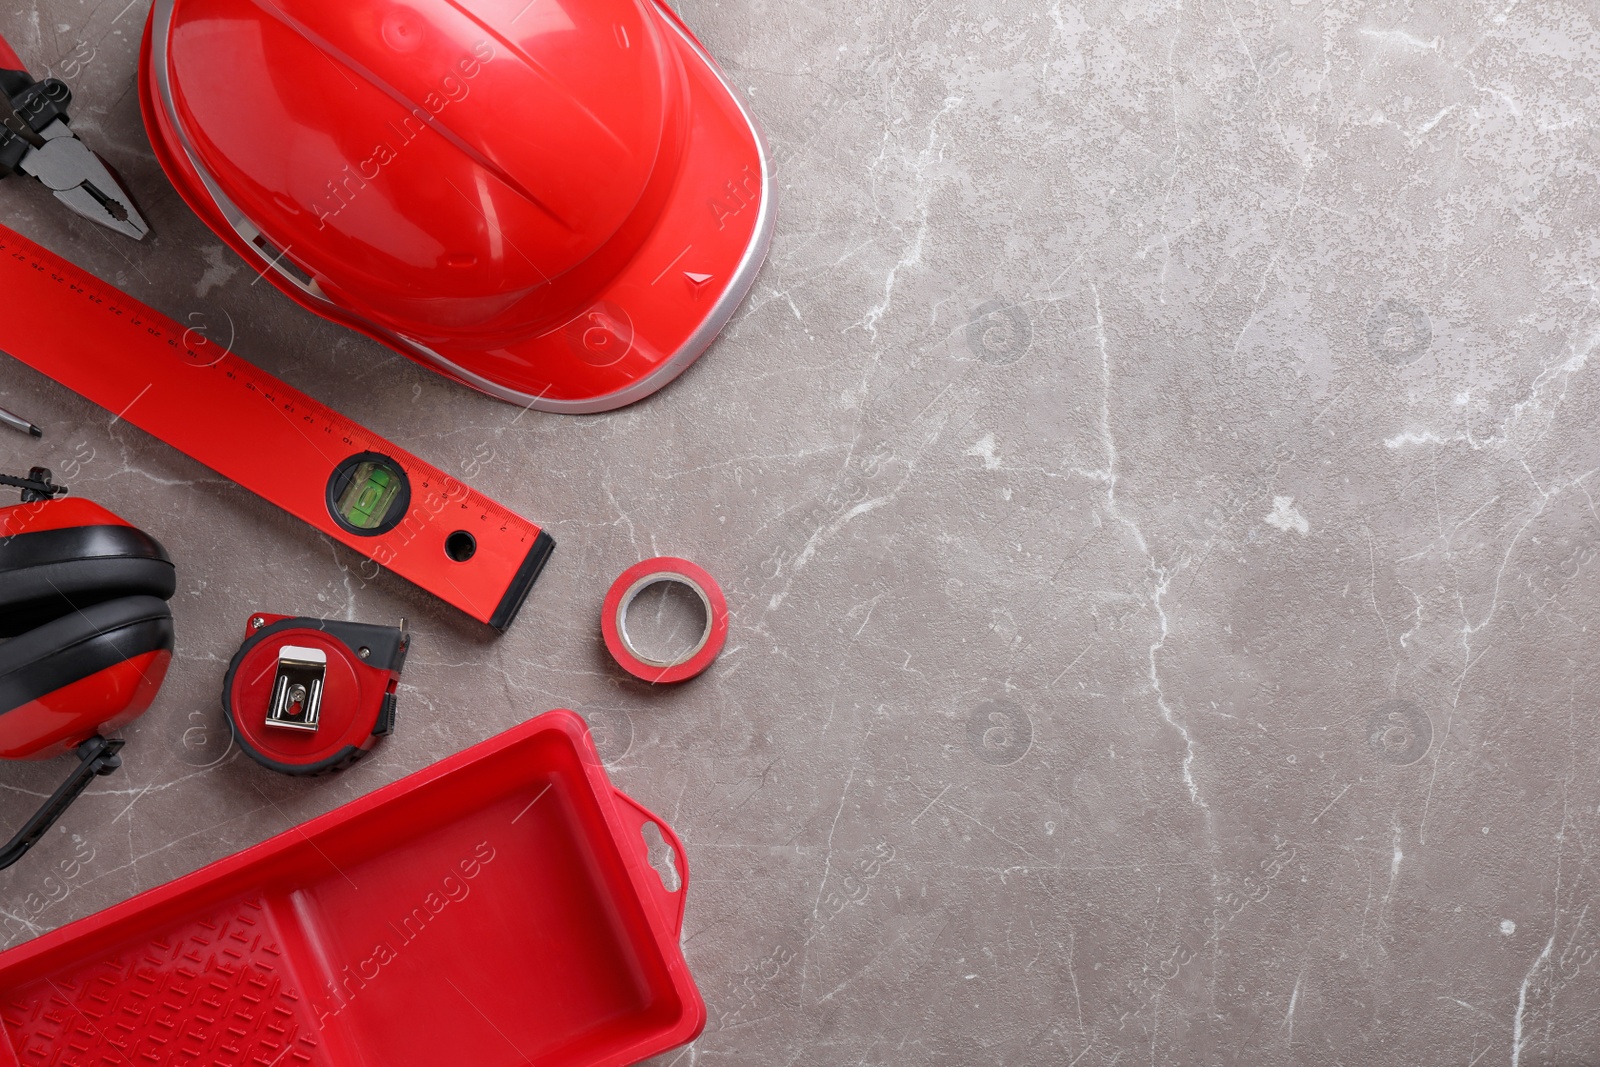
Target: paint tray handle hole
[(660, 855)]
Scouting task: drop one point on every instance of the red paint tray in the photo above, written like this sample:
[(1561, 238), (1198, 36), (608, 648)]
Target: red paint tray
[(495, 909)]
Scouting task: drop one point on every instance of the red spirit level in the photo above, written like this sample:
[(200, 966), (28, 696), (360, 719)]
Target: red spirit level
[(270, 438)]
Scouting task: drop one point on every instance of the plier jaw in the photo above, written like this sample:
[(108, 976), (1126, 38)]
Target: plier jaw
[(36, 140)]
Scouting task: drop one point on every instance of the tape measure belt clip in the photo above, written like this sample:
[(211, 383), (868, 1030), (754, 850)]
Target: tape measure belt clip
[(297, 688)]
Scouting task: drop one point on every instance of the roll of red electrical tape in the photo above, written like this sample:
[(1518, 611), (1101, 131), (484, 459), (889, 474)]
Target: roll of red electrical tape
[(638, 578)]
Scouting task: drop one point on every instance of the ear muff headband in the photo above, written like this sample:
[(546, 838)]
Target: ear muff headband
[(79, 644), (51, 572)]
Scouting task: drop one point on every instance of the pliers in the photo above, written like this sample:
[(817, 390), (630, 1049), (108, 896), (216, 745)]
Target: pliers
[(36, 140)]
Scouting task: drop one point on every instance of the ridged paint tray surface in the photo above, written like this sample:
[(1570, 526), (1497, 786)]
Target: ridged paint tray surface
[(498, 908)]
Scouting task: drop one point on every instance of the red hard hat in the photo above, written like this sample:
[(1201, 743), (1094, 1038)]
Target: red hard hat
[(559, 202)]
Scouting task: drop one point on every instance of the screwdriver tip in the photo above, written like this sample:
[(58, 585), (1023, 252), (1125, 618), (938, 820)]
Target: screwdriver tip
[(34, 431)]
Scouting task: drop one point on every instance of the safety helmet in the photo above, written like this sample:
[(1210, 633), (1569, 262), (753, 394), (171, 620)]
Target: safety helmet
[(559, 202)]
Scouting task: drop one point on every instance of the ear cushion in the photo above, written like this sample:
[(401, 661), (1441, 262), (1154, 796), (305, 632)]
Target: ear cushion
[(47, 574), (80, 643)]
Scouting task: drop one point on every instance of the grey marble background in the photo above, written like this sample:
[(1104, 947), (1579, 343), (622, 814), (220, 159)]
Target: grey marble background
[(1152, 480)]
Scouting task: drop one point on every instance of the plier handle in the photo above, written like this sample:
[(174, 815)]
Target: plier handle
[(36, 140)]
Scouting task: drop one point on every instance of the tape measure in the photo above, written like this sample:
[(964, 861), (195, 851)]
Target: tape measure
[(268, 437), (308, 696)]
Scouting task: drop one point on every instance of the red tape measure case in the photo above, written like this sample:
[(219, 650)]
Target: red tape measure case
[(309, 696)]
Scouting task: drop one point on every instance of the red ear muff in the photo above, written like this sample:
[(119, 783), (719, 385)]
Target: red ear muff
[(85, 636)]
